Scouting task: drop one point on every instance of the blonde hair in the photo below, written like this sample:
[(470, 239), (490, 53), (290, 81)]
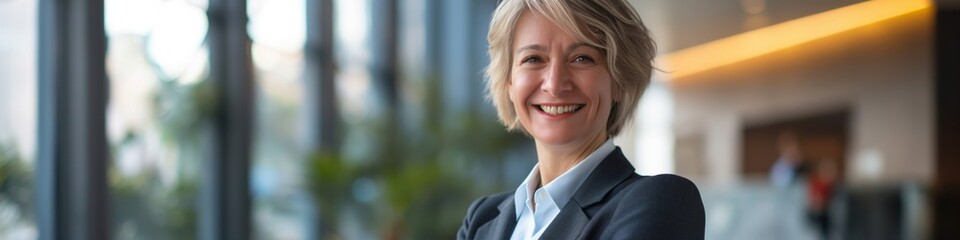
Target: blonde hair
[(612, 26)]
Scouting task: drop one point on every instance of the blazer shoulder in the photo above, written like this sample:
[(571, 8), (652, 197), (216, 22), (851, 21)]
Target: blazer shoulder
[(481, 211), (659, 207), (665, 182), (486, 208), (665, 190), (489, 203)]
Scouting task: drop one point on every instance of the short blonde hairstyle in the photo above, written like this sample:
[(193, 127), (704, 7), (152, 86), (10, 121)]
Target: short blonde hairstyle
[(612, 26)]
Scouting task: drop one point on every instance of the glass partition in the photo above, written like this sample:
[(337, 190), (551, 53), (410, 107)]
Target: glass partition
[(18, 118), (159, 98)]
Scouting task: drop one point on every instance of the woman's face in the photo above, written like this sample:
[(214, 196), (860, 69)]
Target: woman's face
[(559, 86)]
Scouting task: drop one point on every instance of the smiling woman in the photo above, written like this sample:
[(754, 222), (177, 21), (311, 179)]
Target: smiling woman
[(561, 95), (570, 74)]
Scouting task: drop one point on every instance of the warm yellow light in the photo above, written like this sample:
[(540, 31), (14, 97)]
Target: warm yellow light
[(765, 40)]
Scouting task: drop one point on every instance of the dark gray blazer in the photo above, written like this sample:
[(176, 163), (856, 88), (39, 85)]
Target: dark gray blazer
[(613, 203)]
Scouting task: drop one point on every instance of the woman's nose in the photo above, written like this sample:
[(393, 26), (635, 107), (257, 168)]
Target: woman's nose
[(557, 79)]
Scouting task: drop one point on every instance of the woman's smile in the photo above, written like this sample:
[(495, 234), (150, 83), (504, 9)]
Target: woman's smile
[(558, 110)]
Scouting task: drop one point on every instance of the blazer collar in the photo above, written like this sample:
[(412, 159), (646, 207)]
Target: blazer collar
[(613, 170), (572, 218)]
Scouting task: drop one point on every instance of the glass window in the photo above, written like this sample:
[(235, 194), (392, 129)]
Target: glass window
[(281, 204), (18, 106), (159, 100)]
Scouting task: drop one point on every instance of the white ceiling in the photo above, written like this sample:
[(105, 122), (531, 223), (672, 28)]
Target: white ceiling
[(678, 24)]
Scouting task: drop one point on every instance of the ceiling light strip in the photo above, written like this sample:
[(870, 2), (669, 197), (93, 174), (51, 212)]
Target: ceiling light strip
[(769, 39)]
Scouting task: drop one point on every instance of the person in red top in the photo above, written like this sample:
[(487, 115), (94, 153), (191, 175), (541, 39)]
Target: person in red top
[(820, 186)]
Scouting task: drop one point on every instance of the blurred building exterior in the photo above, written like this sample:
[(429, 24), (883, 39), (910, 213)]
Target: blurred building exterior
[(344, 119)]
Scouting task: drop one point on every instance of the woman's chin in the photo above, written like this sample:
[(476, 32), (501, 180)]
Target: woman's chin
[(555, 138)]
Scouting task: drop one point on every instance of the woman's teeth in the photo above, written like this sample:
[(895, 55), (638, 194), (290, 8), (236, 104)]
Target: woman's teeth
[(557, 110)]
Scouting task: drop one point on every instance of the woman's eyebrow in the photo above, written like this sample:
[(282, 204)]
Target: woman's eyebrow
[(536, 47), (539, 47), (575, 46)]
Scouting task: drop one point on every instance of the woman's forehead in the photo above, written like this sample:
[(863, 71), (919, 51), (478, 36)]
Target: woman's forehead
[(532, 26)]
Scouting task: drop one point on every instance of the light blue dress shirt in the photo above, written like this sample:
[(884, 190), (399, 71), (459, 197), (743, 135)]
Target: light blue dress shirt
[(531, 222)]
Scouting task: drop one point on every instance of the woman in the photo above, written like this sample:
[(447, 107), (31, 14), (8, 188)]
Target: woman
[(569, 74)]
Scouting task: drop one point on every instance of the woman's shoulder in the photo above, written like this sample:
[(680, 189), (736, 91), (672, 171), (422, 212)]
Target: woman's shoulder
[(488, 203), (660, 189), (492, 200), (656, 207), (669, 181), (483, 210)]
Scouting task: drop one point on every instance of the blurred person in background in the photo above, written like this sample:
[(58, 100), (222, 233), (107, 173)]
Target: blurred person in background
[(570, 74), (820, 187), (790, 165)]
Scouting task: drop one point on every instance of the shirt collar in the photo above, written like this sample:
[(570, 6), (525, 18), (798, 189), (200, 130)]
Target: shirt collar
[(563, 187)]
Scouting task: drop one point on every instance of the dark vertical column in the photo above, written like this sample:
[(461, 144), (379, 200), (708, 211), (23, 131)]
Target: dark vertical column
[(434, 36), (225, 212), (72, 155), (947, 187), (478, 52), (455, 59), (319, 98), (321, 115), (384, 41), (383, 69)]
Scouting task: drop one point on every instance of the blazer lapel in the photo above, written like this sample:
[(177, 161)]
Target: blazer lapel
[(568, 223), (611, 172), (572, 218), (502, 226)]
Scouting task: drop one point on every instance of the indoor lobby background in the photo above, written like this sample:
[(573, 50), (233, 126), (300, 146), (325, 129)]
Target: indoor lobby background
[(366, 119)]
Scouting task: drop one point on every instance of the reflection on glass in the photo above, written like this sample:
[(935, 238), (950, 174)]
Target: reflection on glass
[(157, 64), (18, 111)]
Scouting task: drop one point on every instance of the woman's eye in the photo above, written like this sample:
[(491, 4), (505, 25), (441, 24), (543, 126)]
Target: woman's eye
[(583, 58), (531, 59)]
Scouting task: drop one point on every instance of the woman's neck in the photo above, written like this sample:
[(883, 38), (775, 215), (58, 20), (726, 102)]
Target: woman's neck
[(557, 159)]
